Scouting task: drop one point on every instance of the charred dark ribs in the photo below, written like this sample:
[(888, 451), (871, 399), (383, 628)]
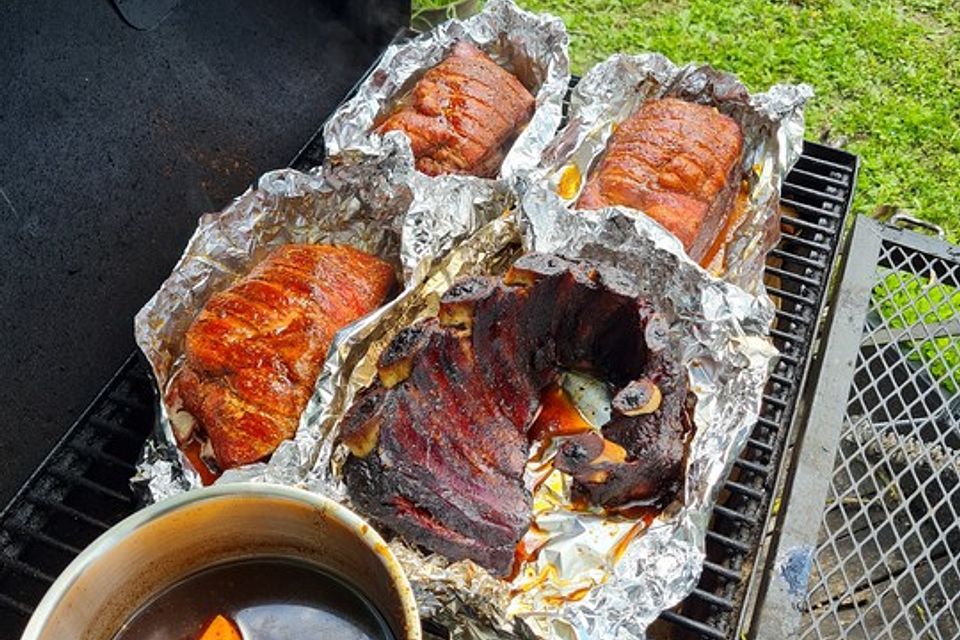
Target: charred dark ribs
[(440, 441)]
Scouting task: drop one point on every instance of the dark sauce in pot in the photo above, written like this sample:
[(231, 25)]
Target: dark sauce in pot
[(266, 599)]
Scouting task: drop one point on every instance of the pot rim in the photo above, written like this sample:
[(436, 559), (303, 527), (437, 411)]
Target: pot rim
[(109, 539)]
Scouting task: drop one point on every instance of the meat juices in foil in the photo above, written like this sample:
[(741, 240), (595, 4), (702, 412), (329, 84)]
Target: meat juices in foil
[(771, 124)]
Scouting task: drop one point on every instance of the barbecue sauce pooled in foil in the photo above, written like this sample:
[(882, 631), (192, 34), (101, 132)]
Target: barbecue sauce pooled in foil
[(257, 599)]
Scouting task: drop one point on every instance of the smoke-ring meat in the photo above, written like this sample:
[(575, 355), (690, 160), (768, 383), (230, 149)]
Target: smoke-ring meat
[(440, 441)]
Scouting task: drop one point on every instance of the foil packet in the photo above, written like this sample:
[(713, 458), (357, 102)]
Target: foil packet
[(369, 198), (771, 122), (595, 576), (531, 46)]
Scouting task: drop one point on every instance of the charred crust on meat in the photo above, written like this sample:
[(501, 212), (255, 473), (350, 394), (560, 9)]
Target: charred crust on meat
[(577, 452), (440, 444), (458, 303), (655, 332), (360, 428), (396, 361), (637, 398), (532, 268)]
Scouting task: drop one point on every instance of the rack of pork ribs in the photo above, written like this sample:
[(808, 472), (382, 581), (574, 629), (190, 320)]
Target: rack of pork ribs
[(252, 355), (461, 114), (679, 163), (439, 442)]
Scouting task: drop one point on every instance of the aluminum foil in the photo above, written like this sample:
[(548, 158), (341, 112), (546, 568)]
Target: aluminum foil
[(531, 46), (370, 198), (772, 125), (596, 576)]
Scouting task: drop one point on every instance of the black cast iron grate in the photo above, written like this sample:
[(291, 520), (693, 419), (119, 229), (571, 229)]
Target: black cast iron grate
[(82, 487)]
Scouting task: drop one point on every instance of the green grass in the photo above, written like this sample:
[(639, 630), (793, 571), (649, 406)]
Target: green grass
[(906, 300), (887, 76)]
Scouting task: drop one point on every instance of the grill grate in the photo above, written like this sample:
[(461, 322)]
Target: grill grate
[(82, 487), (80, 491), (816, 200), (884, 555)]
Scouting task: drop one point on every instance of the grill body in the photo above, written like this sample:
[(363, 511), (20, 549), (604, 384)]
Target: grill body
[(81, 489)]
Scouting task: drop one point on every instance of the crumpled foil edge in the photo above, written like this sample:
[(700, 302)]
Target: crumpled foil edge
[(772, 123), (532, 45), (369, 197)]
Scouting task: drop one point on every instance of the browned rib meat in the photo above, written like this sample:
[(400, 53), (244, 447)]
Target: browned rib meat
[(254, 352), (676, 161), (461, 113), (439, 443)]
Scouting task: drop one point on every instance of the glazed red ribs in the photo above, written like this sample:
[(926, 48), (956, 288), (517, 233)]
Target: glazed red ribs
[(676, 161), (461, 113), (253, 353), (440, 441)]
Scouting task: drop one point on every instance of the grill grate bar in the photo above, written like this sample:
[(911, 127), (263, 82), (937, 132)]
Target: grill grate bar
[(729, 574), (11, 603), (793, 277), (731, 514), (806, 242), (766, 447), (813, 226), (737, 487), (86, 483), (802, 207), (135, 404), (796, 297), (781, 379), (717, 601), (752, 466), (102, 456), (790, 317), (53, 505), (704, 630), (25, 569), (823, 162), (726, 541), (774, 401), (115, 429), (785, 336), (804, 260), (838, 182), (833, 197), (39, 536)]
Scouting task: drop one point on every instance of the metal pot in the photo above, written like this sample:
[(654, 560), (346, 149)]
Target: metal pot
[(170, 540)]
